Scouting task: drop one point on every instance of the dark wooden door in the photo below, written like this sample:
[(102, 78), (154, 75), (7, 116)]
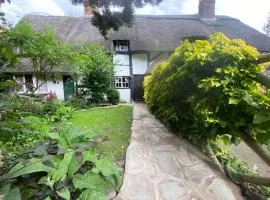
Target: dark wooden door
[(137, 88), (68, 87)]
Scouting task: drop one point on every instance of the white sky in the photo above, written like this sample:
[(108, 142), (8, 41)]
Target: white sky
[(251, 12)]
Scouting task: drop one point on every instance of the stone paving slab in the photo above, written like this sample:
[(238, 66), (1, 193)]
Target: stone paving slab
[(162, 166)]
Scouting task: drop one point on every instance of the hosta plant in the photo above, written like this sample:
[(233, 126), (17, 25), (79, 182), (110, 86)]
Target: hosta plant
[(65, 167)]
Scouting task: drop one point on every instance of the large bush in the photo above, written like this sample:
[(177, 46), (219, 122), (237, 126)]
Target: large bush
[(96, 69), (208, 88)]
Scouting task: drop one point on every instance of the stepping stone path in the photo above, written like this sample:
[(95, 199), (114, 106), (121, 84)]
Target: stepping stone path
[(162, 166)]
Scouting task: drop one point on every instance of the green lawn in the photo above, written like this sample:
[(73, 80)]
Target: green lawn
[(112, 123)]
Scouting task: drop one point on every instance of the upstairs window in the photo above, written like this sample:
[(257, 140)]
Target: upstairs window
[(121, 82), (121, 46)]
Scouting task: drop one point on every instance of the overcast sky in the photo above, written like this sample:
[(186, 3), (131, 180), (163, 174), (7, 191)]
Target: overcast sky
[(251, 12)]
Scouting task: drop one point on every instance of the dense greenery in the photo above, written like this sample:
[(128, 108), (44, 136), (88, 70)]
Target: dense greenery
[(45, 52), (65, 166), (207, 90), (95, 70), (40, 159)]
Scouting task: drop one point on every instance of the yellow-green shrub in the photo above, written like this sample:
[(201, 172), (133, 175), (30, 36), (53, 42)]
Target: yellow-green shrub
[(208, 87)]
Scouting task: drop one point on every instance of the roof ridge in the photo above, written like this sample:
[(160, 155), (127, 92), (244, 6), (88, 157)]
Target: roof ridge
[(185, 16)]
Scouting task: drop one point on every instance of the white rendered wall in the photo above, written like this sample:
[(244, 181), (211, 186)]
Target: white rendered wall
[(121, 59), (139, 63), (121, 70), (125, 95), (122, 65), (56, 85)]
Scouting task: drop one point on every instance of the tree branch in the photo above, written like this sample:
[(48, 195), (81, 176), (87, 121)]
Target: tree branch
[(255, 146), (263, 79), (264, 58), (254, 179)]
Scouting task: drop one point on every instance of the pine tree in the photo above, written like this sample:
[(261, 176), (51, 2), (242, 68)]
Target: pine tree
[(105, 19)]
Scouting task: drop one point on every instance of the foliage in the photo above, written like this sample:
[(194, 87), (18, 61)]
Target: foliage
[(207, 88), (7, 57), (96, 69), (105, 18), (113, 96), (45, 52), (57, 111), (66, 166)]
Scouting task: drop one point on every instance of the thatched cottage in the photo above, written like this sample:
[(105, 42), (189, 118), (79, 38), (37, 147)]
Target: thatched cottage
[(140, 47)]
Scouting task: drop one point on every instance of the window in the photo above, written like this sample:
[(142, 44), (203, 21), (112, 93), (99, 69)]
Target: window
[(121, 46), (121, 82)]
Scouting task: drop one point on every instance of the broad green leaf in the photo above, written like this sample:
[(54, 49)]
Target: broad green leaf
[(89, 180), (89, 194), (261, 117), (46, 181), (110, 171), (106, 167), (62, 168), (13, 194), (115, 180), (75, 165), (234, 101), (90, 156), (34, 165), (64, 193), (249, 99), (5, 189)]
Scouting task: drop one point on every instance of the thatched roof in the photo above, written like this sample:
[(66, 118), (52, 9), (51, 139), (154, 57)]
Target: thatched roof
[(24, 66), (151, 33)]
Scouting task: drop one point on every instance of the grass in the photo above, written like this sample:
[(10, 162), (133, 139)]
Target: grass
[(111, 123)]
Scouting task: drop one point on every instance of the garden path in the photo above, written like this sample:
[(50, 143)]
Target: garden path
[(162, 166)]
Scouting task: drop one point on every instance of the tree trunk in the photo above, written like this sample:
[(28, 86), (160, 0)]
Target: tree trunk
[(253, 179), (255, 146), (264, 58), (263, 79)]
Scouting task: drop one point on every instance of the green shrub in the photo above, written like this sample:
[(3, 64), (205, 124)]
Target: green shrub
[(57, 111), (208, 88), (113, 96), (96, 69)]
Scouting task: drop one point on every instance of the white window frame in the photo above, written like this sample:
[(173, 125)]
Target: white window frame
[(122, 82), (121, 46)]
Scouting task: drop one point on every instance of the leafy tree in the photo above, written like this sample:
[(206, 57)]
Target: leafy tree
[(45, 53), (266, 27), (7, 56), (96, 69)]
